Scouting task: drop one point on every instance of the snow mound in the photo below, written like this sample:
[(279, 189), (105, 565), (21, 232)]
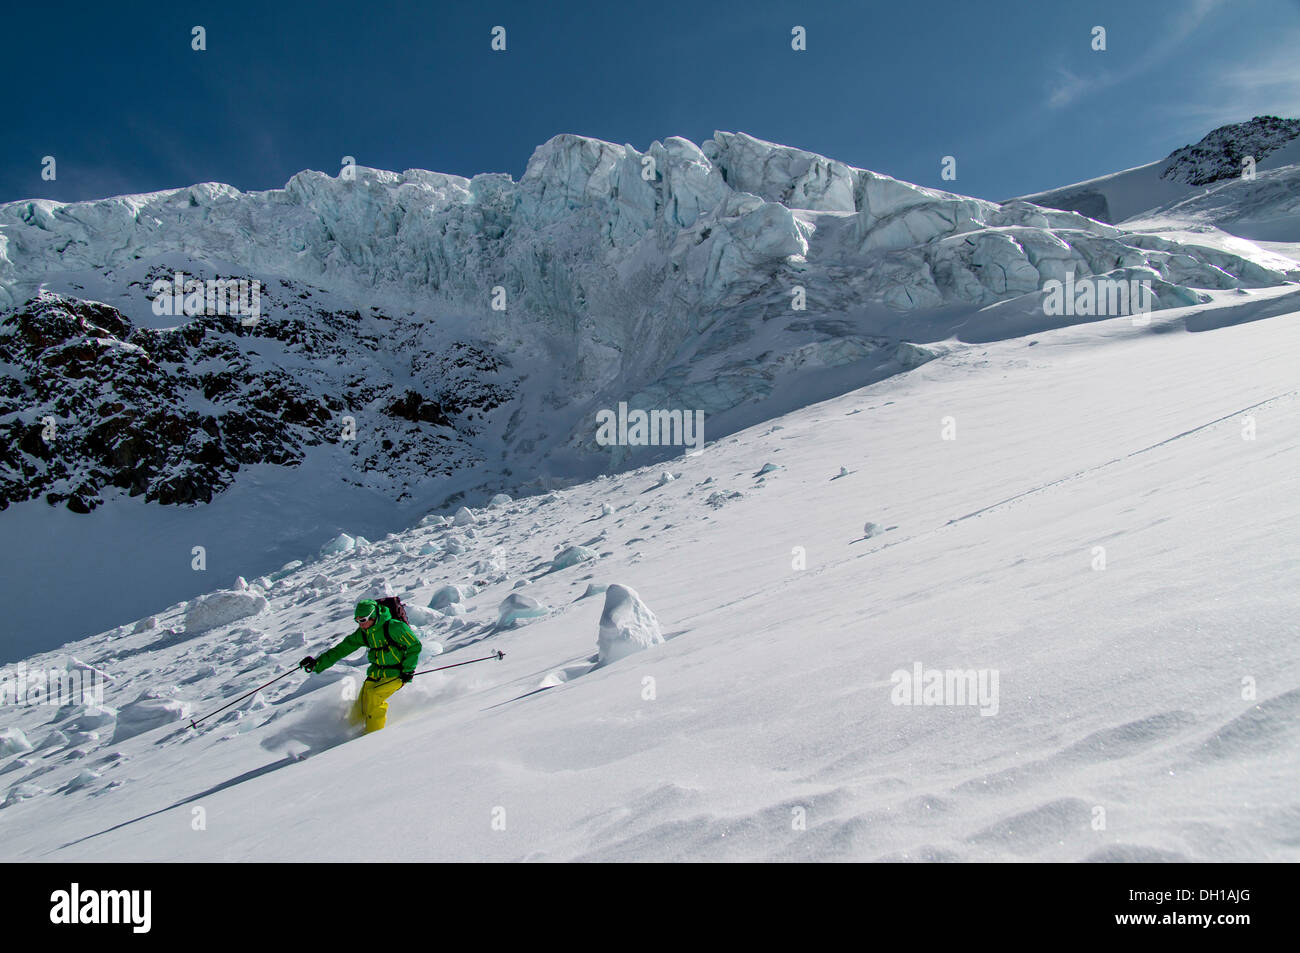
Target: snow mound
[(494, 564), (222, 608), (571, 556), (55, 739), (419, 615), (75, 664), (285, 570), (501, 499), (449, 595), (84, 778), (22, 792), (341, 543), (147, 713), (93, 718), (13, 741), (627, 625), (517, 607), (464, 517)]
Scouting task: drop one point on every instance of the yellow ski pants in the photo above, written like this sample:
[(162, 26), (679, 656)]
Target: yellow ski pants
[(372, 705)]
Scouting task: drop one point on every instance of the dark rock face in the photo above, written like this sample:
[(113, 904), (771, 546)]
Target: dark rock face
[(89, 402), (1218, 156)]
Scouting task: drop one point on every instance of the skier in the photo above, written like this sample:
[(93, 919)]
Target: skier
[(394, 652)]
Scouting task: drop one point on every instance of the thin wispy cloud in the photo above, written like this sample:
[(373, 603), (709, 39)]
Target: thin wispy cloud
[(1070, 87)]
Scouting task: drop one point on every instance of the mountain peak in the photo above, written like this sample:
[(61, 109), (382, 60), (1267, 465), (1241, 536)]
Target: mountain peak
[(1219, 154)]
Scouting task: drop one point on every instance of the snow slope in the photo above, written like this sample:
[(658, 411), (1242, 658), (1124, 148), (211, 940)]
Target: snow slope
[(1266, 208), (1117, 196), (1125, 727)]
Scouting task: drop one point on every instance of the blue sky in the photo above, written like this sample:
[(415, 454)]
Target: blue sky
[(1011, 88)]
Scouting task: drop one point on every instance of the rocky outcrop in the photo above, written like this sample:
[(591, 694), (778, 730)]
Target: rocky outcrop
[(1219, 155), (91, 402)]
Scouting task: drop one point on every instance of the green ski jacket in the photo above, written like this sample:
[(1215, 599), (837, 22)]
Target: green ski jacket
[(390, 653)]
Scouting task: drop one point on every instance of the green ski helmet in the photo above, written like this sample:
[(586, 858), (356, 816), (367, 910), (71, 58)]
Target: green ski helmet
[(366, 609)]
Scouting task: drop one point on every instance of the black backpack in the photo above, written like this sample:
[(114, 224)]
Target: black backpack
[(395, 608)]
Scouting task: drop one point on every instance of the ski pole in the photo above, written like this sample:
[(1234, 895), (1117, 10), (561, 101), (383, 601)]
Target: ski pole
[(498, 654), (194, 724)]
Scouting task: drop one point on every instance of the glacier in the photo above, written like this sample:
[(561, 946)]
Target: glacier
[(622, 259)]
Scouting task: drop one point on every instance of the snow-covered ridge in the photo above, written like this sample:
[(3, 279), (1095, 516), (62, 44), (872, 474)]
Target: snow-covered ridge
[(586, 232), (1212, 167)]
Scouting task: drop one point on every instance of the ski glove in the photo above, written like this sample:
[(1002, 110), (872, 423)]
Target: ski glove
[(407, 676), (308, 663)]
